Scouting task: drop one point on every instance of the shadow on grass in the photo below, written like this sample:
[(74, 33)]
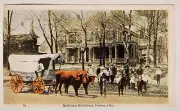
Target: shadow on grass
[(31, 91), (82, 95)]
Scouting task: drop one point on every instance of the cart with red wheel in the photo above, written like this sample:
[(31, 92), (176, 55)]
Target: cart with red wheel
[(22, 69)]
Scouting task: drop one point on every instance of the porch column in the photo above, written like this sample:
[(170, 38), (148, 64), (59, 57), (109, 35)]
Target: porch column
[(78, 55), (134, 51), (67, 54), (90, 54), (93, 54), (117, 34), (67, 39), (85, 57), (115, 53), (110, 54)]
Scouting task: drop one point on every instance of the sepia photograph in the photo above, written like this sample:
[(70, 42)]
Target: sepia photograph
[(86, 56)]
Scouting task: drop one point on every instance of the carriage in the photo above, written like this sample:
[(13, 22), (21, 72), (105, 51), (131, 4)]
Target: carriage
[(22, 69)]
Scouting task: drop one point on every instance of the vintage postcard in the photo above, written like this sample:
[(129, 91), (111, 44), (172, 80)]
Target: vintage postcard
[(88, 55)]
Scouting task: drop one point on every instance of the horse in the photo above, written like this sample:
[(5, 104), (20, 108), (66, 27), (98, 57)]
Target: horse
[(102, 83), (120, 81), (127, 76)]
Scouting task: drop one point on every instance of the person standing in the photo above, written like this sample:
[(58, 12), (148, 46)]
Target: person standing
[(107, 73), (113, 71), (145, 79), (133, 82), (90, 71), (139, 70), (147, 69), (98, 70), (158, 74), (133, 70)]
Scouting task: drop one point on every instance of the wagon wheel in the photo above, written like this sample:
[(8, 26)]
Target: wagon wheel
[(38, 85), (16, 83)]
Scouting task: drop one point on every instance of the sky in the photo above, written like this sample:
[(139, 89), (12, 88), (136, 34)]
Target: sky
[(21, 21)]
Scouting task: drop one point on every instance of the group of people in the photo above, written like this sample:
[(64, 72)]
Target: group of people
[(109, 70), (135, 75)]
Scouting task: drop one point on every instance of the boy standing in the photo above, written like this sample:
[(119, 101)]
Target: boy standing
[(132, 81), (158, 73)]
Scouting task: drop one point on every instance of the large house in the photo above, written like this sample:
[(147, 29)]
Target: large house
[(114, 48), (71, 46)]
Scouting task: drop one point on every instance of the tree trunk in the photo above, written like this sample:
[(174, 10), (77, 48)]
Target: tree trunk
[(9, 34), (159, 51), (56, 47), (86, 45), (82, 55), (155, 52), (50, 29), (159, 58), (104, 53), (155, 39), (100, 56)]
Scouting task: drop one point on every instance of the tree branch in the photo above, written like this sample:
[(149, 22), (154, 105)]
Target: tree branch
[(43, 31)]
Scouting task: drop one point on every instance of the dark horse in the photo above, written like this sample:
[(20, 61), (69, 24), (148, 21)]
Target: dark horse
[(102, 83), (127, 77), (140, 85), (121, 85), (120, 82)]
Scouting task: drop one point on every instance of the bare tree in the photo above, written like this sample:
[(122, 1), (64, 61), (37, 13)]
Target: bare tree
[(156, 27), (84, 28), (44, 31), (103, 24), (155, 20), (9, 21), (50, 31)]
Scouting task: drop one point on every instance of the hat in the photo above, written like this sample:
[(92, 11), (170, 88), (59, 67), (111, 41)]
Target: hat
[(147, 66)]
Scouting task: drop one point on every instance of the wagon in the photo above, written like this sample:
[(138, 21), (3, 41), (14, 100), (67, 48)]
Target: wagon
[(22, 69)]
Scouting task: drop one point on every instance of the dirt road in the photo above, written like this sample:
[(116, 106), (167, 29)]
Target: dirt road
[(31, 98)]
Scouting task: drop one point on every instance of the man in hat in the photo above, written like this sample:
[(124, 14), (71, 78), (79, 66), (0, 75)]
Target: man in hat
[(147, 69), (90, 71), (158, 74), (113, 71), (100, 72)]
